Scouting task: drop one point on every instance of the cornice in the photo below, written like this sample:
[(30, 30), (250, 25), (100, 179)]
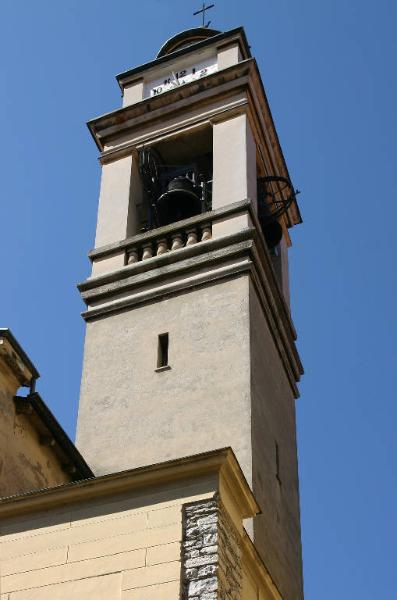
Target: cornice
[(46, 425), (16, 359), (218, 463), (123, 120), (237, 33), (205, 263)]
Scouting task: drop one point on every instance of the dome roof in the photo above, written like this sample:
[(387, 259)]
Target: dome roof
[(186, 38)]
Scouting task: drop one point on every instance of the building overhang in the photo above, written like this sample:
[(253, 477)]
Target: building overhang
[(222, 465), (16, 360), (50, 433)]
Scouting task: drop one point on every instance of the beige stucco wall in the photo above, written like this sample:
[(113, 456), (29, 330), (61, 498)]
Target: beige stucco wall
[(25, 464), (229, 55), (124, 547), (130, 415), (114, 201), (277, 529), (226, 387), (234, 168), (133, 93)]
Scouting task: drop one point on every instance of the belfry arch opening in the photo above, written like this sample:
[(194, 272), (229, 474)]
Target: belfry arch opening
[(176, 178)]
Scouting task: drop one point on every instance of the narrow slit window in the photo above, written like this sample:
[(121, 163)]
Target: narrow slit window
[(278, 463), (162, 355)]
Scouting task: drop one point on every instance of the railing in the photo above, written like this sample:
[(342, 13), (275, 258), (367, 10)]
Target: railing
[(172, 237), (159, 244)]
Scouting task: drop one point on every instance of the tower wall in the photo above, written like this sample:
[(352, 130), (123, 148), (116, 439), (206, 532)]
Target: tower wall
[(210, 281), (132, 414), (274, 457)]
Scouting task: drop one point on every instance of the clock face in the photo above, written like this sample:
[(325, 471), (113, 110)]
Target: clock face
[(170, 81)]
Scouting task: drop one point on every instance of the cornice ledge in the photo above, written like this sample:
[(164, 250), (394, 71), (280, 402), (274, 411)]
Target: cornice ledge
[(227, 272), (184, 262), (216, 462), (16, 359), (156, 106)]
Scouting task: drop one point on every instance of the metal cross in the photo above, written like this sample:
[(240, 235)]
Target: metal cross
[(203, 10)]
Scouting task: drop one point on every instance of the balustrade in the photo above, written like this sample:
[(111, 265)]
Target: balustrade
[(175, 240)]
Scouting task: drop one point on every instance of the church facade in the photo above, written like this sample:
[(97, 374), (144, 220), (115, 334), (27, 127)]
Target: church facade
[(187, 406)]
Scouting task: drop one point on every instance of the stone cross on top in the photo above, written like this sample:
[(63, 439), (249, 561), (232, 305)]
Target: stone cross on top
[(203, 11)]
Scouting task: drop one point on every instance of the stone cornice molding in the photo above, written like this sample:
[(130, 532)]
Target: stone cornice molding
[(204, 263), (222, 464), (16, 359), (115, 124)]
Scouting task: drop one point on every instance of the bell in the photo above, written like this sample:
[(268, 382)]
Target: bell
[(180, 201)]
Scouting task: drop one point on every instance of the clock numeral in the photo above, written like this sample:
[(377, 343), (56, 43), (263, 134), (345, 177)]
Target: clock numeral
[(180, 78)]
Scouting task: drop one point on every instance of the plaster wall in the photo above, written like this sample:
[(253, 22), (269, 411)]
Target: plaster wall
[(133, 93), (234, 174), (168, 541), (229, 55), (130, 415), (114, 201), (275, 469), (25, 464), (124, 547)]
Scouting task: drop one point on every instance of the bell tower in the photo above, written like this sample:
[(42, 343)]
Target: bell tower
[(189, 343)]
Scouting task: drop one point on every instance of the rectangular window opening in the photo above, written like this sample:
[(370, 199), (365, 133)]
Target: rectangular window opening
[(278, 464), (162, 353)]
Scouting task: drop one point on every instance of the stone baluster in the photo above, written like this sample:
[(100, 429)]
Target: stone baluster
[(132, 256), (206, 233), (162, 246), (176, 241), (191, 237), (147, 251)]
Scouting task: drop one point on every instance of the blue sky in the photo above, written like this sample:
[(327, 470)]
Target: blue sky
[(329, 71)]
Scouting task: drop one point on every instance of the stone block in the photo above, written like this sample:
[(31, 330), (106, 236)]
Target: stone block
[(158, 537), (164, 591), (164, 553), (31, 562), (93, 588), (165, 516), (201, 586), (72, 535), (152, 575), (73, 571), (14, 528)]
